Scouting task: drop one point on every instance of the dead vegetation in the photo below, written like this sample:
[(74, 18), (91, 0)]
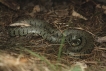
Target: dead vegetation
[(84, 14)]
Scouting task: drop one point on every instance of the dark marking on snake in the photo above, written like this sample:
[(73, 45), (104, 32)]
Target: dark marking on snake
[(79, 41)]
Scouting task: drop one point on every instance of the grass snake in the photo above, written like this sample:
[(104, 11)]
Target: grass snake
[(78, 40)]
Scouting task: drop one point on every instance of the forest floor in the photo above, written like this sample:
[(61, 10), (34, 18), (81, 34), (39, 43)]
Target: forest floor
[(35, 53)]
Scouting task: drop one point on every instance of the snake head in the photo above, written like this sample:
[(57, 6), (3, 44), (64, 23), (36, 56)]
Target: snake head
[(74, 40)]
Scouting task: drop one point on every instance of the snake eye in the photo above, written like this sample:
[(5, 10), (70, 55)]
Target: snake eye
[(76, 42)]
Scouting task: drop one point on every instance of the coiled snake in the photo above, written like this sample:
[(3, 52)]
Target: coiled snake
[(79, 41)]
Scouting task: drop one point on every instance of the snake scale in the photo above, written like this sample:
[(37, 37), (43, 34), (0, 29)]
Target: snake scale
[(79, 41)]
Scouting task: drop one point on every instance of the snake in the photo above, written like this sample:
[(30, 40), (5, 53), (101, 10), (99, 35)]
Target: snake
[(78, 40)]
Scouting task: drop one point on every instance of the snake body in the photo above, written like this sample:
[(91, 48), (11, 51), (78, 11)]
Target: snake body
[(79, 41)]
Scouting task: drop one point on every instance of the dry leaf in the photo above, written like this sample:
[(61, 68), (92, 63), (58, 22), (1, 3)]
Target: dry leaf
[(101, 39), (74, 13)]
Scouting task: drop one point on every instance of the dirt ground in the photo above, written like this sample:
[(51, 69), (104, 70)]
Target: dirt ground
[(15, 52)]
